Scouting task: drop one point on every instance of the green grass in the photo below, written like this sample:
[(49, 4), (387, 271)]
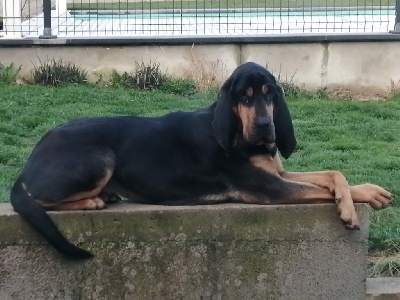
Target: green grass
[(202, 4), (361, 139)]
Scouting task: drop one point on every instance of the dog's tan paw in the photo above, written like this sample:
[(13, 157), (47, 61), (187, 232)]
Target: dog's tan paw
[(94, 204), (348, 215), (372, 194)]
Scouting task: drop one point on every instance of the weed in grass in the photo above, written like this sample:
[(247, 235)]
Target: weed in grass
[(205, 73), (288, 85), (8, 74), (148, 77), (183, 87), (322, 93), (122, 80), (56, 72), (145, 77), (385, 264), (386, 231), (293, 90)]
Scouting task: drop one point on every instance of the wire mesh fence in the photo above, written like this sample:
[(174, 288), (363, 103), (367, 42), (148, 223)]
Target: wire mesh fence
[(82, 18)]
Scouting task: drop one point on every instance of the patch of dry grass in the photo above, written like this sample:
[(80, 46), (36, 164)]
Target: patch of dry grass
[(205, 73), (383, 264)]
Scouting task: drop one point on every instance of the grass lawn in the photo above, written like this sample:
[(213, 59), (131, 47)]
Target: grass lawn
[(360, 139), (202, 4)]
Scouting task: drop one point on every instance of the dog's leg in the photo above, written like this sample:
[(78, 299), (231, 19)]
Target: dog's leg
[(332, 181), (89, 200), (311, 187), (337, 185), (283, 191), (70, 182), (83, 204), (372, 194)]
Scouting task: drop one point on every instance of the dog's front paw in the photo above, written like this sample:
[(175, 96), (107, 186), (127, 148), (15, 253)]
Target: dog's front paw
[(348, 214), (372, 194)]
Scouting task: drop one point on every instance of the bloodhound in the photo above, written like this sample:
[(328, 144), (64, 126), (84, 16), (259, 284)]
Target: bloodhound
[(225, 152)]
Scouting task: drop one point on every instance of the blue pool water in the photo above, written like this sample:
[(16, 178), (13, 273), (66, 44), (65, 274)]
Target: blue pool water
[(236, 14)]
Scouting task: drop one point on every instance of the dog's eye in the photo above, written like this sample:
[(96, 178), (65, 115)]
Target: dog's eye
[(245, 100), (268, 97)]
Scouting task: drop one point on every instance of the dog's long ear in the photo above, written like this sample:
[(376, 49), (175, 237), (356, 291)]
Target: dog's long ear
[(224, 122), (284, 131)]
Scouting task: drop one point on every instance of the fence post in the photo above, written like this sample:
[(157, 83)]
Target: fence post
[(397, 20), (12, 19), (47, 21)]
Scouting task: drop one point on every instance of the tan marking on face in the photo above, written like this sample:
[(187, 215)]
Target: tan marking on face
[(264, 89), (246, 115), (235, 111), (266, 163), (249, 92), (270, 111)]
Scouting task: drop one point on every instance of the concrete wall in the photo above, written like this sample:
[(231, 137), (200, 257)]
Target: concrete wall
[(369, 68), (206, 252)]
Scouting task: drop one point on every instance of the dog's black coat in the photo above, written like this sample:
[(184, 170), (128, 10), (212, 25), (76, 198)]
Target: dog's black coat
[(176, 159)]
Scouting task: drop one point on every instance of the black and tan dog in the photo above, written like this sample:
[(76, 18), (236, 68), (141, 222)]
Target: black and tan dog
[(225, 152)]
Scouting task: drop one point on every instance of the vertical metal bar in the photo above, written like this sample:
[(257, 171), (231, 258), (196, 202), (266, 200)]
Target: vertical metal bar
[(61, 9), (47, 21), (12, 18), (397, 20)]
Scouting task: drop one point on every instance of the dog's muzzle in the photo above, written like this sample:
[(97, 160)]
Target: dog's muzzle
[(263, 131)]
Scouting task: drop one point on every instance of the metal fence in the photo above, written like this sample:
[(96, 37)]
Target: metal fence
[(83, 18)]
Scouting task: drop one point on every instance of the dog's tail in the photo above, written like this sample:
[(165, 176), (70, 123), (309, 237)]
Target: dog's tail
[(36, 216)]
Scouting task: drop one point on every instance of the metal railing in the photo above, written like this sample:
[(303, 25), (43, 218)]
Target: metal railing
[(73, 18)]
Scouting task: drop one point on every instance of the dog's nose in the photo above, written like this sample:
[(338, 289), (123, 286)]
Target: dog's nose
[(263, 122)]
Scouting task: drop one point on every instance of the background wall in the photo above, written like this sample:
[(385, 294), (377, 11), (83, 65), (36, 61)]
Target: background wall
[(365, 68)]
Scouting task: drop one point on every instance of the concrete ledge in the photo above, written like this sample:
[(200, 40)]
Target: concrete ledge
[(383, 288), (204, 252), (202, 40)]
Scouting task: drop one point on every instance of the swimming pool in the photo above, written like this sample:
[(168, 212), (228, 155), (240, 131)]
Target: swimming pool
[(232, 14), (211, 22)]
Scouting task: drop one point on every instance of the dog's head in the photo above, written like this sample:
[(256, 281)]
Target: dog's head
[(252, 105)]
